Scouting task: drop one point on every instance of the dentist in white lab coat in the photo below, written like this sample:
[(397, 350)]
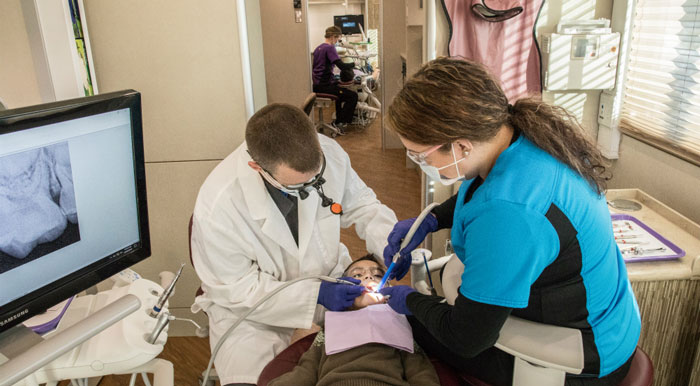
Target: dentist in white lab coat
[(264, 217)]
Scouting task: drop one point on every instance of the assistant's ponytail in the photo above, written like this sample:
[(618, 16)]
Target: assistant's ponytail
[(558, 132)]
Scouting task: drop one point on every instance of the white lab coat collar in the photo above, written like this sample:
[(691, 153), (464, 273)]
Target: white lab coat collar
[(263, 208)]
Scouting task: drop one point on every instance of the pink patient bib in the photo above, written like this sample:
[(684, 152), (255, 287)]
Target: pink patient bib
[(372, 324)]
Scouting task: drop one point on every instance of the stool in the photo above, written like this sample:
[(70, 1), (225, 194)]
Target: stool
[(320, 101), (325, 101)]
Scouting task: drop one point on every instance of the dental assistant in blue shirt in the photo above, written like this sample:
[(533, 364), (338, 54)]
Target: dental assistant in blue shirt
[(530, 223)]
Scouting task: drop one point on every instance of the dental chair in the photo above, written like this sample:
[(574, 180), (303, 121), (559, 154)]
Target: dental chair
[(543, 353), (320, 101)]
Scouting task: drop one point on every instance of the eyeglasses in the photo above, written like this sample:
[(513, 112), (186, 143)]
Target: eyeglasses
[(316, 180), (316, 183), (359, 272), (419, 158)]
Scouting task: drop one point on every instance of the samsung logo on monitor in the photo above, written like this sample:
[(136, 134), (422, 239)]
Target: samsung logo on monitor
[(15, 316)]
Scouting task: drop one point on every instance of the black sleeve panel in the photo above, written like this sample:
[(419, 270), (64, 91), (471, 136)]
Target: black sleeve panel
[(467, 328), (445, 212), (342, 65)]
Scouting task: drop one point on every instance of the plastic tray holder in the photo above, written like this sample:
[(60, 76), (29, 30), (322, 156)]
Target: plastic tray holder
[(651, 239)]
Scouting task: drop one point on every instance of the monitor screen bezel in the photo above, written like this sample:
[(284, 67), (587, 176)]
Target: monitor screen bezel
[(26, 118)]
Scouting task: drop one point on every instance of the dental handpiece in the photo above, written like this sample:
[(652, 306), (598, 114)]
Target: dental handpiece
[(166, 294), (336, 280), (163, 320)]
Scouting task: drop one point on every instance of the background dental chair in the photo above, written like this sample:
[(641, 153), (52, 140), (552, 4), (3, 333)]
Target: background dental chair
[(320, 101), (543, 353)]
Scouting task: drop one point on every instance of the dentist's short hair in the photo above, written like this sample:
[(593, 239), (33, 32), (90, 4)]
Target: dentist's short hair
[(280, 133)]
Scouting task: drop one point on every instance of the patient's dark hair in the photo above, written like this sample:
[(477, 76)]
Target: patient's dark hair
[(280, 133), (369, 256)]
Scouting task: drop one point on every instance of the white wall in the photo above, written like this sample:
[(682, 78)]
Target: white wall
[(18, 82), (287, 59), (184, 58), (321, 17)]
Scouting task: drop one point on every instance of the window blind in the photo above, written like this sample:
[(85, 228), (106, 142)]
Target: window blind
[(661, 104)]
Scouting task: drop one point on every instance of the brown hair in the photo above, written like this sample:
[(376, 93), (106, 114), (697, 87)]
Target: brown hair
[(450, 99), (282, 134), (333, 31)]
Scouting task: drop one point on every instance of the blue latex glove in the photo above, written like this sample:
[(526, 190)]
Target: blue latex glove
[(429, 225), (338, 297), (397, 298)]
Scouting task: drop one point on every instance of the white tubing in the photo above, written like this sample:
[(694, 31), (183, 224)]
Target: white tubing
[(412, 230), (215, 351)]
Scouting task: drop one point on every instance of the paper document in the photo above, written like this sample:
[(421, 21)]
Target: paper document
[(373, 324)]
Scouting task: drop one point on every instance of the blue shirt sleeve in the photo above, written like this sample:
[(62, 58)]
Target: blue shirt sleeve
[(507, 246)]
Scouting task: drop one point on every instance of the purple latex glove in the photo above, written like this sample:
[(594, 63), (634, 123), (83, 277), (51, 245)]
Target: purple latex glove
[(397, 297), (429, 225), (338, 297)]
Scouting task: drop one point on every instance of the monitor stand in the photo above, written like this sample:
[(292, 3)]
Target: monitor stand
[(25, 360)]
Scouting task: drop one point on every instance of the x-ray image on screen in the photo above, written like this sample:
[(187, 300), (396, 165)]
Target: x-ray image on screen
[(38, 213)]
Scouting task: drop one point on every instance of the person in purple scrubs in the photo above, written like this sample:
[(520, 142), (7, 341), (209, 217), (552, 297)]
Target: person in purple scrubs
[(325, 57)]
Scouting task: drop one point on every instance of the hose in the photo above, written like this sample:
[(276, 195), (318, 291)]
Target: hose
[(253, 308)]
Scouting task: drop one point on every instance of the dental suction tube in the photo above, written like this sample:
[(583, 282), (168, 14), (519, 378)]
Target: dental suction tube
[(406, 240), (216, 349)]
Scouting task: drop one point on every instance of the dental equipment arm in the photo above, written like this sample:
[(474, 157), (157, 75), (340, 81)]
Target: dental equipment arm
[(407, 239), (216, 349)]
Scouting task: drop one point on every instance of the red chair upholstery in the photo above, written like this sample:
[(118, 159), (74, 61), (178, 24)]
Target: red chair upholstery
[(289, 357), (329, 96), (285, 361), (641, 371)]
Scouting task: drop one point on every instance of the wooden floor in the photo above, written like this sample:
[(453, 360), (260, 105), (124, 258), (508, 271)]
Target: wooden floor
[(395, 185)]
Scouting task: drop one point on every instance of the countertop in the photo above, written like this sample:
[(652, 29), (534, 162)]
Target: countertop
[(670, 224)]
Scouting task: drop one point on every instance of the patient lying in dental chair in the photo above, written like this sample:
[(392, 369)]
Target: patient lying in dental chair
[(366, 365)]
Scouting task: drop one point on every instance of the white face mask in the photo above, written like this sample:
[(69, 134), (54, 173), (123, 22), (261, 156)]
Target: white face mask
[(434, 172)]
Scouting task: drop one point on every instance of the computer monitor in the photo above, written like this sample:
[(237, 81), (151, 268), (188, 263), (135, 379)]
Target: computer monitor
[(349, 24), (72, 199)]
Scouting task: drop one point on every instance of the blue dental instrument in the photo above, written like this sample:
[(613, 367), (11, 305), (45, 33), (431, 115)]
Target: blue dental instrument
[(386, 275)]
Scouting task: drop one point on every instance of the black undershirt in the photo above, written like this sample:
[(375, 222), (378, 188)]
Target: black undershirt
[(288, 206)]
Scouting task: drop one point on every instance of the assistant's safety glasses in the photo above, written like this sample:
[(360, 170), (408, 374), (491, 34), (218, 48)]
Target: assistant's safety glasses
[(419, 158)]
